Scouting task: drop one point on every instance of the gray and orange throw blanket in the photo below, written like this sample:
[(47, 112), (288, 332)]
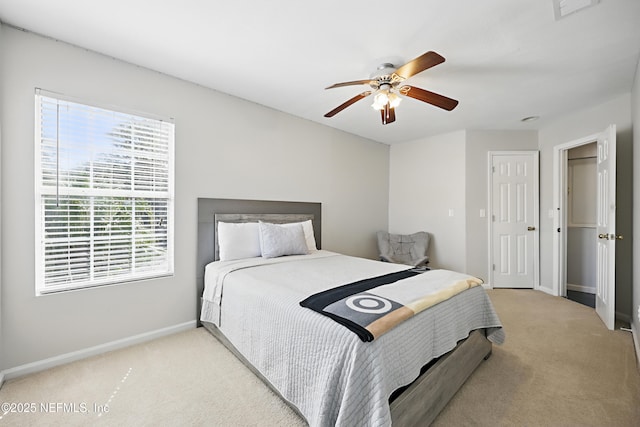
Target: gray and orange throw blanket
[(373, 306)]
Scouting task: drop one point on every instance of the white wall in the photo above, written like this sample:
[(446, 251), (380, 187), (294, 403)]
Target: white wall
[(427, 179), (635, 108), (432, 175), (225, 147), (478, 145), (572, 127)]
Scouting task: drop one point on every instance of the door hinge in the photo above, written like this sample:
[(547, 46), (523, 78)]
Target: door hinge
[(493, 267)]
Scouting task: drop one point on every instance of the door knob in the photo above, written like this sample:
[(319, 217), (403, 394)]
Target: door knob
[(603, 236), (531, 228), (619, 237)]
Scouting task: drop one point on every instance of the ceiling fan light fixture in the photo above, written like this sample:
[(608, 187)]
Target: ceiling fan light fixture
[(380, 99), (394, 100), (385, 96)]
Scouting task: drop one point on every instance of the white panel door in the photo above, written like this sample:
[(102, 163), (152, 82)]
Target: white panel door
[(606, 227), (514, 234)]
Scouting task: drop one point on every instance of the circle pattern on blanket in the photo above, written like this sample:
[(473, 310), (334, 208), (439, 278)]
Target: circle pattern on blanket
[(368, 304)]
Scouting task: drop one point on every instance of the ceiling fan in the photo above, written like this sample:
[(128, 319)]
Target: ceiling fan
[(385, 81)]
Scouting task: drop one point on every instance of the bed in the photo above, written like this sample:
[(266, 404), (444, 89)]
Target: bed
[(327, 373)]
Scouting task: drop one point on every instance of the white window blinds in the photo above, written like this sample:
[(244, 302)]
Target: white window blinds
[(104, 195)]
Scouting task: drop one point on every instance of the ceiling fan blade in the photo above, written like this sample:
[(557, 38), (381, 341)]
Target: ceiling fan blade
[(388, 115), (347, 103), (429, 97), (353, 83), (419, 64)]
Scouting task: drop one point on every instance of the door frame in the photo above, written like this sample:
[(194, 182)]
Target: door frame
[(536, 211), (560, 179)]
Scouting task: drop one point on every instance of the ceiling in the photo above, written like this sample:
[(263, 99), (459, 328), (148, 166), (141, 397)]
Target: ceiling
[(505, 59)]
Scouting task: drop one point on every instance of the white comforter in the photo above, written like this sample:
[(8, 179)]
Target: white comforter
[(321, 367)]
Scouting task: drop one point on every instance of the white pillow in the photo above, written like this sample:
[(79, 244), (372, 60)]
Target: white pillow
[(307, 227), (282, 239), (238, 240)]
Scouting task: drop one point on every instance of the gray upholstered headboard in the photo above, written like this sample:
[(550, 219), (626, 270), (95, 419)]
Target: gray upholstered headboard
[(238, 210)]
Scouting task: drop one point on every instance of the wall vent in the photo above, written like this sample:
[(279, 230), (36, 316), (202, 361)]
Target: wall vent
[(562, 8)]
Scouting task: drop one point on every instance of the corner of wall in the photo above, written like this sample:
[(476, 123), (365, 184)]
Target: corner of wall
[(636, 343), (1, 117), (635, 274)]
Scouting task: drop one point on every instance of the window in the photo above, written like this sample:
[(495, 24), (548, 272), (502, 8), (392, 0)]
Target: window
[(104, 195)]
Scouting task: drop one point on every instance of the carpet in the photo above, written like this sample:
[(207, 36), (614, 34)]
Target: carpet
[(559, 367)]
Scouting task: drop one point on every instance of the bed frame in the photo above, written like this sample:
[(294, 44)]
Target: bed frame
[(421, 401)]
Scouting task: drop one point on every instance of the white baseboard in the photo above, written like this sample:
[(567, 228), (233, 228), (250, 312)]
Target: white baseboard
[(62, 359), (636, 342), (580, 288)]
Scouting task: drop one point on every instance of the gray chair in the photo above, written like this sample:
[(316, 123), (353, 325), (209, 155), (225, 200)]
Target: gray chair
[(410, 249)]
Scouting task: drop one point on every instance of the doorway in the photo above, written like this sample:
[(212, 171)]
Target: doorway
[(605, 236), (582, 180)]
